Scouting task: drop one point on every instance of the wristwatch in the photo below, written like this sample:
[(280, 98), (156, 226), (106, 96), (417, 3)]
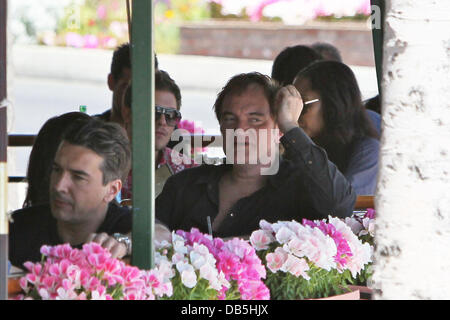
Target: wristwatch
[(121, 238)]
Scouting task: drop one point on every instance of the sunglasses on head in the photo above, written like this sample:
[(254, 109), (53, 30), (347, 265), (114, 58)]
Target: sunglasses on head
[(172, 116)]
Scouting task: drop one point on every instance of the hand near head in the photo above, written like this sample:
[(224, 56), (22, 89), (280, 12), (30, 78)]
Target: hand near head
[(288, 106)]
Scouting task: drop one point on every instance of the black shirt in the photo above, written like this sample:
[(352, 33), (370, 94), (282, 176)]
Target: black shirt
[(35, 226), (307, 186)]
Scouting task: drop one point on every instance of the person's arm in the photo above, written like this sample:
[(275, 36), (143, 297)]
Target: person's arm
[(120, 249), (329, 190)]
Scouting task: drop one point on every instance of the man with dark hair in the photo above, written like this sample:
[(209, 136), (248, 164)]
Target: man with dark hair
[(290, 61), (167, 113), (87, 174), (231, 199), (327, 51), (118, 80)]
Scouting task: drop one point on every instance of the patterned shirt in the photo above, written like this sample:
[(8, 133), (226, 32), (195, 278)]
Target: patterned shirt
[(177, 162)]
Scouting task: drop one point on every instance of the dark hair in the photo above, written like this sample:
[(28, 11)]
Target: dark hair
[(127, 99), (290, 61), (164, 82), (374, 104), (239, 83), (122, 59), (327, 51), (42, 155), (345, 118), (108, 140)]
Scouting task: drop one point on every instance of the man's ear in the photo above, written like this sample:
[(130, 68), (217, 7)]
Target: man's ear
[(111, 82), (113, 189)]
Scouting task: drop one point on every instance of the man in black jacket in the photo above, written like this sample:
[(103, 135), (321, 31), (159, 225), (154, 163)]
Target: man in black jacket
[(232, 198), (88, 170)]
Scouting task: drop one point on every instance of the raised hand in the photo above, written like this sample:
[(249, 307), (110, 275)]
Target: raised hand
[(289, 106)]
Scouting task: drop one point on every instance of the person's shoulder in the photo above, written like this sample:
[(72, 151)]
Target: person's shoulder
[(116, 209), (367, 143), (31, 213), (366, 146), (193, 174)]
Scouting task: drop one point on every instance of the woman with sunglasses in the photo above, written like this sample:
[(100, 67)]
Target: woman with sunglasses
[(167, 116), (338, 122)]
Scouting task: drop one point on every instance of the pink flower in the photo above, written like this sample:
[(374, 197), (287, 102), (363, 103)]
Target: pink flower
[(370, 213), (296, 266), (91, 41), (276, 259), (102, 12), (284, 235), (74, 40), (253, 290), (261, 239)]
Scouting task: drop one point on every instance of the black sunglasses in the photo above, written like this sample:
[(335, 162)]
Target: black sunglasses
[(172, 116)]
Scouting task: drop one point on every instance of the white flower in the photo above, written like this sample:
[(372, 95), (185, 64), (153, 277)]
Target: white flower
[(183, 266), (316, 246), (261, 239), (210, 273), (284, 235), (178, 245), (189, 278), (296, 266), (177, 257), (264, 225), (165, 270), (354, 224), (197, 260)]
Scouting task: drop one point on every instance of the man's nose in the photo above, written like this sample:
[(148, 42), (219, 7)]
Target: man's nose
[(242, 124), (61, 182), (161, 120)]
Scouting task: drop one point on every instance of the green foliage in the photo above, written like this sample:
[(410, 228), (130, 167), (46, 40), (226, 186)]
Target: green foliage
[(201, 291), (169, 16), (323, 283)]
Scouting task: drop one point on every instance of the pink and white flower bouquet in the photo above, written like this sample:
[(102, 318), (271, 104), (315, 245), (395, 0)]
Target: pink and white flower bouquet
[(363, 225), (88, 274), (312, 259), (202, 267)]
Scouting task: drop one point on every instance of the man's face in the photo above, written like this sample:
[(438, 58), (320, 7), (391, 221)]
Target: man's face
[(77, 193), (163, 131), (250, 112), (118, 86)]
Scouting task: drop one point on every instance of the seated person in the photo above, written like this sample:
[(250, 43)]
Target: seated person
[(231, 199), (118, 79), (42, 155), (167, 113), (327, 51), (290, 61), (339, 123), (87, 174)]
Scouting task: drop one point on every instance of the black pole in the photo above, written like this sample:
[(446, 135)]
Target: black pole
[(3, 148)]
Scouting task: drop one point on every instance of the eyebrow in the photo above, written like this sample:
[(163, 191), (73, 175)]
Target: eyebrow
[(226, 113), (78, 172)]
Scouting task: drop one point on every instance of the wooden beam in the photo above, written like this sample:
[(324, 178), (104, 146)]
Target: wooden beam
[(3, 158)]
